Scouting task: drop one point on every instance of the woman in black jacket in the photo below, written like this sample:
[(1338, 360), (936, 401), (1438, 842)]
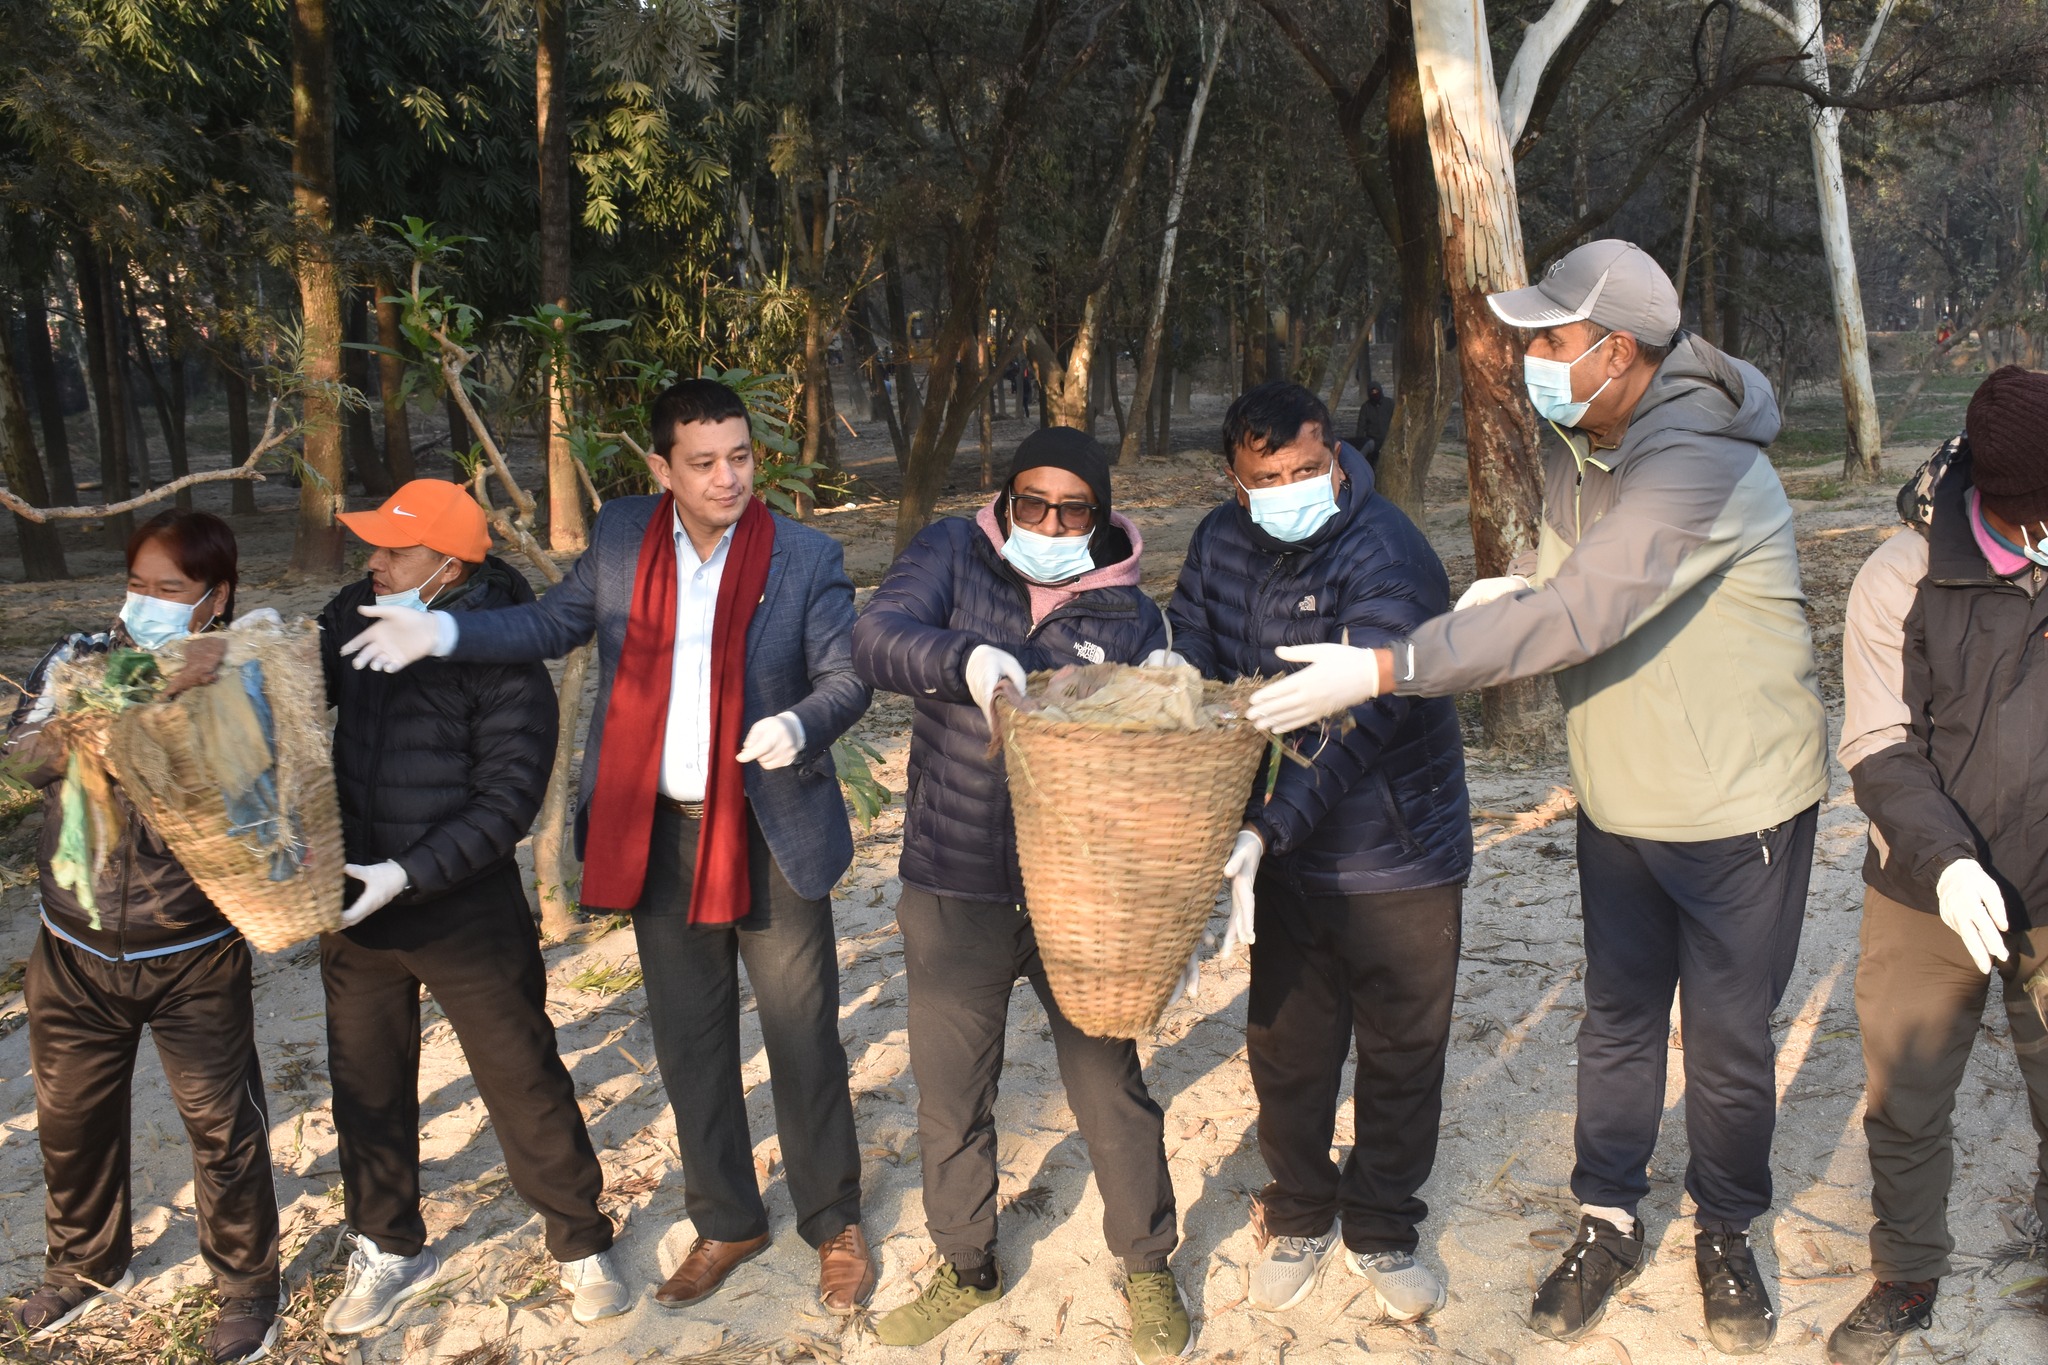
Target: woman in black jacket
[(142, 945), (1045, 575)]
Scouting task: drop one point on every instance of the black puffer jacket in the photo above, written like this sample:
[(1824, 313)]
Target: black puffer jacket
[(1382, 806), (441, 766), (146, 900), (946, 593)]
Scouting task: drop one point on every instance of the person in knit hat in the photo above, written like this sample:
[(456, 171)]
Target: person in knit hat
[(1044, 575), (1938, 657)]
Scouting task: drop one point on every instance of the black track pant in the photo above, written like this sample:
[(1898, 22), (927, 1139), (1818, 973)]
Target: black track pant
[(1380, 970), (1717, 922), (962, 959), (85, 1021), (478, 955)]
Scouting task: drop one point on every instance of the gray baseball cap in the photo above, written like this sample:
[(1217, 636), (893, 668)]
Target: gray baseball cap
[(1611, 282)]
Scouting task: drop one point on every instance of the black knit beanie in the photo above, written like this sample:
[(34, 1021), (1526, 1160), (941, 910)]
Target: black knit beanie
[(2007, 423), (1076, 452)]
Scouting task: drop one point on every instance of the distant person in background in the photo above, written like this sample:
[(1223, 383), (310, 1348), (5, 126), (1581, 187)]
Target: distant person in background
[(139, 945), (1942, 726), (1375, 420), (1044, 576)]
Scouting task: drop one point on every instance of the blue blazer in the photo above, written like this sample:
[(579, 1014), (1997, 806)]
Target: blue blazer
[(799, 659)]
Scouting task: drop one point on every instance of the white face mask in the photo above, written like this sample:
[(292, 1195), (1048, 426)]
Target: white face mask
[(1048, 559), (154, 622), (411, 596), (1549, 383), (1293, 511)]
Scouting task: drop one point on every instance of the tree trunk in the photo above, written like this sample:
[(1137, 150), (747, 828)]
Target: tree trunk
[(391, 386), (363, 451), (821, 442), (970, 264), (554, 855), (42, 554), (1864, 457), (1169, 239), (568, 530), (1068, 398), (317, 542), (909, 398), (42, 372), (1482, 244), (1162, 395), (243, 495), (103, 364), (1424, 385)]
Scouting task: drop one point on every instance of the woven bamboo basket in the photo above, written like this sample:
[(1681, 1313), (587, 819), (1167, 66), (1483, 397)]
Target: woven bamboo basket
[(1122, 834), (281, 884)]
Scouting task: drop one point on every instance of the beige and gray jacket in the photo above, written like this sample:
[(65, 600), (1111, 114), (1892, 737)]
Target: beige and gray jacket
[(1667, 602)]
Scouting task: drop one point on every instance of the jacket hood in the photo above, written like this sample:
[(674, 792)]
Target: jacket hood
[(1702, 389), (1358, 485)]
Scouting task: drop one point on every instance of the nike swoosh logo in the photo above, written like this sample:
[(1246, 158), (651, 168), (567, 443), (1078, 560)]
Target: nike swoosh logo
[(401, 512)]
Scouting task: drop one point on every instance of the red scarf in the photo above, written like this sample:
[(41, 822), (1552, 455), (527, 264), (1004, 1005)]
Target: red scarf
[(621, 819)]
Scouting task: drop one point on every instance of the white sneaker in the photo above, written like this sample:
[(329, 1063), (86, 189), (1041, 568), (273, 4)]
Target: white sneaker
[(598, 1291), (1287, 1270), (378, 1285), (1406, 1288)]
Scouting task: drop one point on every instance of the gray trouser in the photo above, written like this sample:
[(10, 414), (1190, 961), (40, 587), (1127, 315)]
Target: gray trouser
[(1919, 1000), (963, 959)]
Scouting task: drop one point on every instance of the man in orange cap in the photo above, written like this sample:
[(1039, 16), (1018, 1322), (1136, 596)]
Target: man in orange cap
[(440, 771)]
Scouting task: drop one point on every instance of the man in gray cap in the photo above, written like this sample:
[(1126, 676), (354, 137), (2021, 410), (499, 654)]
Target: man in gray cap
[(1664, 596)]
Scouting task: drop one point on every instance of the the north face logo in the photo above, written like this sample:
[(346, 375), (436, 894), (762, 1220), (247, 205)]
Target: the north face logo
[(1090, 651), (1306, 604)]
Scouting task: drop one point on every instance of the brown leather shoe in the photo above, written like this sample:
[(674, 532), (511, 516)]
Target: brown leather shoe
[(846, 1271), (705, 1268)]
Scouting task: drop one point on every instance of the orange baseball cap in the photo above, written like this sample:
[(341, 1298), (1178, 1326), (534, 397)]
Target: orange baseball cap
[(432, 512)]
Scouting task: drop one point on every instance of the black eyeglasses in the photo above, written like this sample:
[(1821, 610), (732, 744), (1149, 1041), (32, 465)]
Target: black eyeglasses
[(1030, 511)]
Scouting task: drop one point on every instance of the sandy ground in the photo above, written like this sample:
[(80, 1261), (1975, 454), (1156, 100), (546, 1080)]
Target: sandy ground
[(1499, 1211)]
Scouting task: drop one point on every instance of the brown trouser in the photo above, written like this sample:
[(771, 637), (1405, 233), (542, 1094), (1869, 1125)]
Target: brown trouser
[(85, 1021), (1920, 1000)]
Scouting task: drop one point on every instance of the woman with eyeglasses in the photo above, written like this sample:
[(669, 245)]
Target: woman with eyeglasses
[(1043, 576), (131, 941)]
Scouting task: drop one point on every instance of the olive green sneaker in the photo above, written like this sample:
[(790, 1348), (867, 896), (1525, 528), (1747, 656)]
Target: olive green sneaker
[(1159, 1320), (944, 1302)]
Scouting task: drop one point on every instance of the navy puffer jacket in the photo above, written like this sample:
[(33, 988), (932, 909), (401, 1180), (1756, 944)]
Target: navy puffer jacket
[(1382, 807), (946, 593)]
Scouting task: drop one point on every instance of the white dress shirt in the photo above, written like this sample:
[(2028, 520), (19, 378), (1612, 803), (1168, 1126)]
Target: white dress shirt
[(686, 750)]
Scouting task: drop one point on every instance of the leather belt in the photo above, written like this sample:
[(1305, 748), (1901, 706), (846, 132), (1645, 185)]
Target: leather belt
[(689, 810)]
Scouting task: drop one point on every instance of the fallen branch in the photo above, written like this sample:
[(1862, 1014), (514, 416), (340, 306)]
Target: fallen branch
[(272, 439)]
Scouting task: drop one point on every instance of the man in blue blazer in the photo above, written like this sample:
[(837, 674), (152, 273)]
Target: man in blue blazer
[(714, 619)]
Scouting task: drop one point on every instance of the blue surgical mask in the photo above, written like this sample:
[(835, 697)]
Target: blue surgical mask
[(1048, 559), (2035, 550), (153, 622), (1293, 511), (1549, 383), (411, 596)]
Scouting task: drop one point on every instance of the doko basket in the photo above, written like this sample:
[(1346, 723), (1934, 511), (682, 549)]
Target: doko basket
[(160, 754), (1122, 833)]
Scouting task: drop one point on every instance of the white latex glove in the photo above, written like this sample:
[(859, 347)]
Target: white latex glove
[(400, 636), (1163, 658), (1190, 980), (986, 667), (1484, 590), (1242, 870), (381, 884), (1338, 677), (1973, 906), (773, 741)]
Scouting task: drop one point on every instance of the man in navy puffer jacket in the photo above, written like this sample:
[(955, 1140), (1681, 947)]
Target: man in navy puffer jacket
[(1356, 862), (1046, 575)]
